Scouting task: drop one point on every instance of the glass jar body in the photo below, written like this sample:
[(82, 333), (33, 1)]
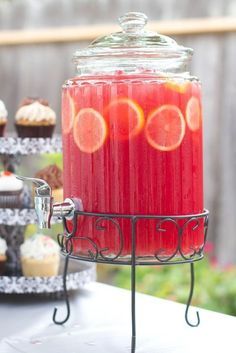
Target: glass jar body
[(132, 145)]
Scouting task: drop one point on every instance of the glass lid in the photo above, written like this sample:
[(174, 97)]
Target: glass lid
[(134, 40)]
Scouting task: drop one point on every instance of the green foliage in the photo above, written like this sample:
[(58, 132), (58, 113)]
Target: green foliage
[(215, 287), (52, 232), (52, 158)]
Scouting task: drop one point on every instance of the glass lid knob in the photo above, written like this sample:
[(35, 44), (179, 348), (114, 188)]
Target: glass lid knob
[(133, 22)]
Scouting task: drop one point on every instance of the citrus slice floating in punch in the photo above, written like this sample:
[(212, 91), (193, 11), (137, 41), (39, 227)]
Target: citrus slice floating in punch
[(125, 118), (165, 128), (179, 87), (193, 114), (89, 130), (68, 112)]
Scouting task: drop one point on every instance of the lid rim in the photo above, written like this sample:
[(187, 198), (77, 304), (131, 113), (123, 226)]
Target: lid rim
[(162, 53), (121, 51)]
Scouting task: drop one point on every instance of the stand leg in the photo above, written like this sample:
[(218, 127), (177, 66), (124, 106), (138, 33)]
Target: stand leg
[(133, 288), (57, 322), (190, 299), (133, 309)]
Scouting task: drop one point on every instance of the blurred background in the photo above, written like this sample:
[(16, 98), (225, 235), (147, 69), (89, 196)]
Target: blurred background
[(37, 40)]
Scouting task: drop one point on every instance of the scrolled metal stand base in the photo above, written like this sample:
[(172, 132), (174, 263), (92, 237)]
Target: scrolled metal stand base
[(194, 221)]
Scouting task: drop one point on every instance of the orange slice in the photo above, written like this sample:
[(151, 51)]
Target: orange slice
[(180, 87), (193, 113), (165, 128), (68, 112), (89, 130), (125, 118)]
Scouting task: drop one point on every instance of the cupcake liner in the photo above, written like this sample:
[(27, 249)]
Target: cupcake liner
[(3, 260), (10, 200), (16, 199), (2, 129), (46, 267), (34, 131)]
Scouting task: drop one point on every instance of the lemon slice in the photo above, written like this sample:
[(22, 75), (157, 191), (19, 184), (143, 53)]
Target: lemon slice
[(165, 128), (193, 114), (89, 130), (180, 87), (68, 112), (125, 119)]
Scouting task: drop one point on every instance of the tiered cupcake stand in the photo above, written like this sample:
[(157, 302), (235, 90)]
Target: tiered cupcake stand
[(14, 221)]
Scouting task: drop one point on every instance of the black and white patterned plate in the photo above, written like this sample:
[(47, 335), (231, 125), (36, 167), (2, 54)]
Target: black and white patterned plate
[(25, 146), (79, 274)]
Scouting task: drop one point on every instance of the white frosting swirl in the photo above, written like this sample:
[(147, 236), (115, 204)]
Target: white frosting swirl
[(9, 182), (39, 246), (3, 246), (36, 112), (3, 112)]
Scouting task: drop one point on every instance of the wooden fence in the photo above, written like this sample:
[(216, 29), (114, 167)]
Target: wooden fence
[(37, 61), (88, 33)]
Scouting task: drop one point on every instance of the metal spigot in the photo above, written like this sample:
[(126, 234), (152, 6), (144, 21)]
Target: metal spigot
[(44, 206)]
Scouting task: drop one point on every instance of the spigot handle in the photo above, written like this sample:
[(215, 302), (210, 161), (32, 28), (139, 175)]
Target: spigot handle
[(44, 206), (42, 187), (43, 201)]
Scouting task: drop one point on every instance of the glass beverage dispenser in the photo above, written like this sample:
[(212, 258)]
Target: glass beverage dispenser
[(132, 141), (132, 137)]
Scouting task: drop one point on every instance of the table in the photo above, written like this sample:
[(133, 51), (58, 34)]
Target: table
[(100, 322)]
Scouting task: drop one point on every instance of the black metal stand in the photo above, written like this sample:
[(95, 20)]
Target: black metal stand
[(61, 322), (95, 253)]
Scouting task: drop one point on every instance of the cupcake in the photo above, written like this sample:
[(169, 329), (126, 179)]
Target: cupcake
[(40, 256), (3, 118), (3, 257), (35, 118), (52, 174), (13, 194)]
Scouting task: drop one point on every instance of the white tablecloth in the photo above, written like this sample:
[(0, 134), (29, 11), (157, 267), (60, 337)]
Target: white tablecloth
[(100, 322)]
